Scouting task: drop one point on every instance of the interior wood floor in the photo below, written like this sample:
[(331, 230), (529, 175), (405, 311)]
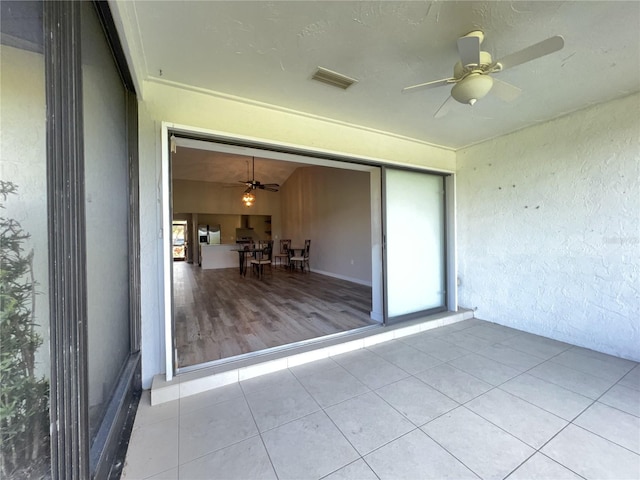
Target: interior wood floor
[(219, 314)]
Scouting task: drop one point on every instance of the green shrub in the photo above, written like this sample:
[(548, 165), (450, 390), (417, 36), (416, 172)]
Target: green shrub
[(24, 402)]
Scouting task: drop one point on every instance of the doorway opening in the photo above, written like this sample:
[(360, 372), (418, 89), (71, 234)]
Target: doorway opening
[(220, 314), (179, 240)]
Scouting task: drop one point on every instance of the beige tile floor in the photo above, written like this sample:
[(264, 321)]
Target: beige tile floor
[(469, 400)]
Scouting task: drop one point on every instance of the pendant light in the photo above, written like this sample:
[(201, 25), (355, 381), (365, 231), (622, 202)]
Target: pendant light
[(248, 198)]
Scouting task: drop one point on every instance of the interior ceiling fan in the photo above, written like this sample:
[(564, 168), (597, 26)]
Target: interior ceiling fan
[(253, 183), (472, 78)]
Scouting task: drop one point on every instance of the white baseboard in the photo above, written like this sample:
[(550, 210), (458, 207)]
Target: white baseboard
[(342, 277)]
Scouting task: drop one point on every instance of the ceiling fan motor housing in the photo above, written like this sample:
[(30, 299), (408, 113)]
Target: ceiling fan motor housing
[(472, 88), (460, 71)]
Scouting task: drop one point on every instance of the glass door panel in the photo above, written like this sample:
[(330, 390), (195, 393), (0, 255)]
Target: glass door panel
[(415, 240), (24, 245), (107, 216)]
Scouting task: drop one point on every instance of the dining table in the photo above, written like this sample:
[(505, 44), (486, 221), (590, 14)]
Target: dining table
[(242, 255)]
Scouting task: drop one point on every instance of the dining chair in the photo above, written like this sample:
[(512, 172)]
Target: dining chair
[(247, 255), (261, 259), (284, 252), (303, 258)]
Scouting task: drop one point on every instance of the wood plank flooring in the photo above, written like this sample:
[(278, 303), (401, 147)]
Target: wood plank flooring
[(219, 314)]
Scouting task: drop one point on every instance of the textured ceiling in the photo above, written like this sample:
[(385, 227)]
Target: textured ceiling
[(204, 165), (267, 51)]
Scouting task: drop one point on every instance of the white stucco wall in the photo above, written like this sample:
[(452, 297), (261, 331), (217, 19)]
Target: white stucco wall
[(549, 228), (209, 111), (151, 276)]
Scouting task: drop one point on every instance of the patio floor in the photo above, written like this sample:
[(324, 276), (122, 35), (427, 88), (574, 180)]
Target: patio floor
[(469, 400)]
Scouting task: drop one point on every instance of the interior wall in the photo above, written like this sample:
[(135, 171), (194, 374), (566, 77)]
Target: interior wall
[(549, 229), (332, 208), (211, 198), (242, 119)]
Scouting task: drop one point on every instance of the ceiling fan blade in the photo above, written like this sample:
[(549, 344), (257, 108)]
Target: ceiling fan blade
[(469, 50), (435, 83), (272, 187), (248, 190), (444, 108), (540, 49), (505, 91)]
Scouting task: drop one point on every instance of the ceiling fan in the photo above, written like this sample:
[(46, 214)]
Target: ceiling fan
[(254, 184), (472, 78)]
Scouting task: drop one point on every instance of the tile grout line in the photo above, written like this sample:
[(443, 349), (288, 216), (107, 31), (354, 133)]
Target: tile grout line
[(322, 409), (220, 448), (570, 422), (178, 434), (416, 427), (410, 375), (597, 401), (387, 403), (494, 387), (525, 400), (264, 445), (450, 453), (348, 464), (543, 379), (541, 453)]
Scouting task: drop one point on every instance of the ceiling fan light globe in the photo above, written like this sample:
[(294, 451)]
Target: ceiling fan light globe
[(248, 199), (472, 88)]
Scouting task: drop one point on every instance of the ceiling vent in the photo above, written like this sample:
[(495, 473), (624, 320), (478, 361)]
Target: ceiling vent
[(333, 78)]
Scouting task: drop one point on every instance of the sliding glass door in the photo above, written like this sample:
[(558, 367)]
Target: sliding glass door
[(24, 245), (414, 204)]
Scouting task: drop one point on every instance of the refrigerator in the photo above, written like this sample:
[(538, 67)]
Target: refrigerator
[(209, 234)]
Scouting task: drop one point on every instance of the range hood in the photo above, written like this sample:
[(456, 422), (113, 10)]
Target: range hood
[(244, 222), (244, 234)]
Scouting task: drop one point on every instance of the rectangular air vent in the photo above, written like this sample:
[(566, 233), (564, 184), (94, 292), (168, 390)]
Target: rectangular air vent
[(333, 78)]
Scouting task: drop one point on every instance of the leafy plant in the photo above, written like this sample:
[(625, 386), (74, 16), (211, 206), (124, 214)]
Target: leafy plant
[(24, 402)]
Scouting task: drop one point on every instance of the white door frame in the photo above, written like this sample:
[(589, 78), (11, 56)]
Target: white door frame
[(341, 161)]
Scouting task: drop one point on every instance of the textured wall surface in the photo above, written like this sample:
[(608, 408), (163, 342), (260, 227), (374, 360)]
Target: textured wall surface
[(151, 249), (549, 228)]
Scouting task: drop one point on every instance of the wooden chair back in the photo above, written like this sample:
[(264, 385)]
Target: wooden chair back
[(285, 243)]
